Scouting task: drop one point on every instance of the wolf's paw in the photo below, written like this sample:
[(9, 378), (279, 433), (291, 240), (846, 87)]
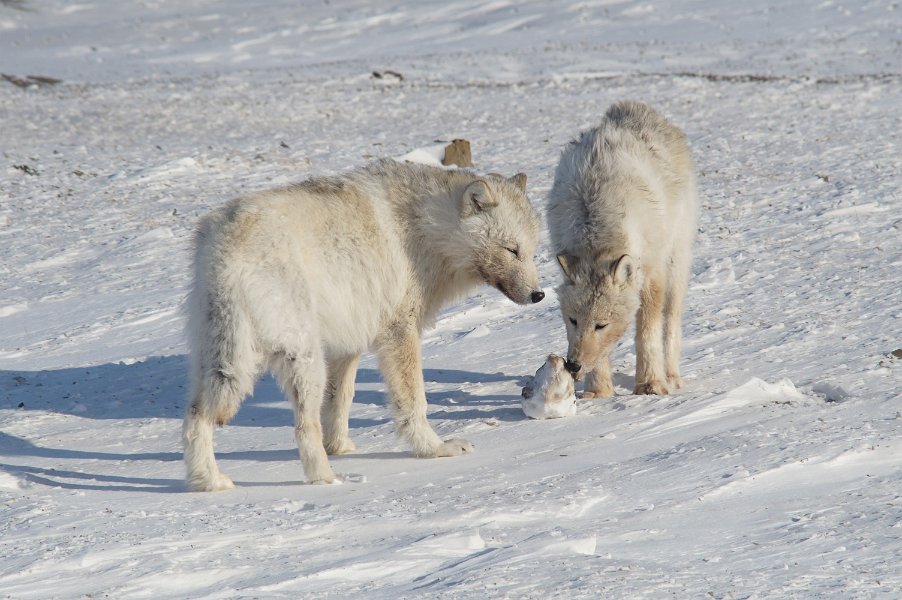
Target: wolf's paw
[(674, 382), (599, 392), (217, 483), (651, 388), (324, 477), (454, 448), (333, 481), (342, 445)]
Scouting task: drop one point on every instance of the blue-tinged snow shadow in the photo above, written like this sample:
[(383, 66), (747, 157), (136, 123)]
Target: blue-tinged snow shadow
[(158, 386), (153, 388), (79, 480), (13, 446)]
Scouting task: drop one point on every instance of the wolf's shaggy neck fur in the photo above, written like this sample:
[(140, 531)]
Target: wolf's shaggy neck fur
[(610, 176), (424, 202)]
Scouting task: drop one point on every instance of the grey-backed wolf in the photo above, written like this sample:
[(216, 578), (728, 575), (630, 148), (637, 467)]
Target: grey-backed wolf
[(622, 216), (299, 281)]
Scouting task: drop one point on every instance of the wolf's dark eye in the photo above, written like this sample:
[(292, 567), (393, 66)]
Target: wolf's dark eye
[(514, 251), (572, 320), (599, 326)]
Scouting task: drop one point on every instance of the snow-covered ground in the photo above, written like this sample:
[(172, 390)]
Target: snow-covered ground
[(777, 471)]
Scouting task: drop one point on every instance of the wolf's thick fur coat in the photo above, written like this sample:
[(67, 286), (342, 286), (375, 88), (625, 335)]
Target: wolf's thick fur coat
[(300, 280), (622, 216)]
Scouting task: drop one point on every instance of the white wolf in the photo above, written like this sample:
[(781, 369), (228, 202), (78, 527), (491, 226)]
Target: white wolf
[(621, 215), (301, 280)]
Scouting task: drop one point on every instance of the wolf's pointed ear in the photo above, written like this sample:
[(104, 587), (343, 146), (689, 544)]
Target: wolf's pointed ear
[(569, 264), (623, 269), (476, 198), (519, 180)]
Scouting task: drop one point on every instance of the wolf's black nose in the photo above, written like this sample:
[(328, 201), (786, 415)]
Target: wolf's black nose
[(572, 367), (537, 296)]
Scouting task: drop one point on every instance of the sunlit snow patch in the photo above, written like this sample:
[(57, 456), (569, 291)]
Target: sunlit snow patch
[(9, 482), (720, 272), (753, 393), (6, 311), (350, 478), (459, 543), (427, 155), (560, 541)]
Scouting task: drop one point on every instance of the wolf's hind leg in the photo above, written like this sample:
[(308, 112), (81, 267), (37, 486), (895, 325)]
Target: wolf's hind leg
[(337, 405), (202, 473), (214, 399), (302, 376)]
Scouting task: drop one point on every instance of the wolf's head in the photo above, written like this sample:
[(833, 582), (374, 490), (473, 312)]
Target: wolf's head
[(501, 232), (599, 299)]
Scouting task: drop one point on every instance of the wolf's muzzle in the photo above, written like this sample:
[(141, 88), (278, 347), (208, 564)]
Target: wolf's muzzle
[(537, 296), (572, 367)]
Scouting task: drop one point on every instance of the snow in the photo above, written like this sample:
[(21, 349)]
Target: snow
[(430, 155), (776, 471)]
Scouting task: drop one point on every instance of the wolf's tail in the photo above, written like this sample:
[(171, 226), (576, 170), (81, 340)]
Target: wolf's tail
[(221, 340)]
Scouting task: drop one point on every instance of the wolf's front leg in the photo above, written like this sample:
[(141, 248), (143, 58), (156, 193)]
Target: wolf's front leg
[(598, 382), (650, 377), (398, 350)]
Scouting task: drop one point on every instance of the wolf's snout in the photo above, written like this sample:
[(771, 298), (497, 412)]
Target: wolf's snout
[(537, 296), (573, 367)]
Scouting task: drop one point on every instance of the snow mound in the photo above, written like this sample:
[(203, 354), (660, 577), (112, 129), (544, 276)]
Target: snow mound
[(573, 544), (719, 272), (427, 155), (830, 392), (757, 392), (753, 394), (6, 311), (458, 543), (9, 482)]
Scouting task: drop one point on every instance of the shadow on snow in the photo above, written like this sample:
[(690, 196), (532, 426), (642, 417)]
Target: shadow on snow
[(157, 389)]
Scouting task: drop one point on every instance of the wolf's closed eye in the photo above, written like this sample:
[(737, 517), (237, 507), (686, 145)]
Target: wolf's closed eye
[(600, 326)]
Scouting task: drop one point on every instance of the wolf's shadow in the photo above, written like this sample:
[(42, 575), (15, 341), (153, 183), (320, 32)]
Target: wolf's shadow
[(156, 388)]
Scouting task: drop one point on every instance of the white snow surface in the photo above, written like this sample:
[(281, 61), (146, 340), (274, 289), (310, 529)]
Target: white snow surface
[(775, 473)]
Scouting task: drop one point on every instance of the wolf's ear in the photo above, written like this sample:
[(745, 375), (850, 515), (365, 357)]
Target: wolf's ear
[(624, 269), (476, 198), (569, 264), (519, 180)]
